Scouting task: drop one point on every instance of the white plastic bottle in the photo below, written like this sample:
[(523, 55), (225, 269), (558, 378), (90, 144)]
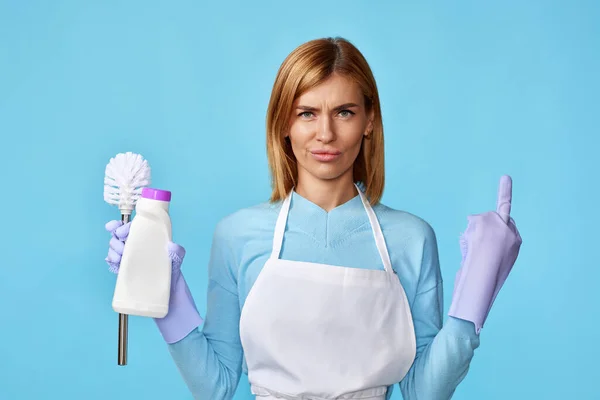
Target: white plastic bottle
[(144, 278)]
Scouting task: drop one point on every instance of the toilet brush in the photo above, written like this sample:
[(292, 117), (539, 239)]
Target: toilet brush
[(125, 176)]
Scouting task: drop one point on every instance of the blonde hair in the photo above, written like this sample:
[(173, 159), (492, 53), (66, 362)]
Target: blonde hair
[(304, 68)]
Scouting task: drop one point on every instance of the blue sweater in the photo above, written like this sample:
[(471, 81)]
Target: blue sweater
[(211, 360)]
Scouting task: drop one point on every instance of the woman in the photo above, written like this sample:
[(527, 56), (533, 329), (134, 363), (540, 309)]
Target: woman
[(323, 292)]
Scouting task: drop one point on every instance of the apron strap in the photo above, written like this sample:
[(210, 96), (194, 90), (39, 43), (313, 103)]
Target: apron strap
[(280, 226), (379, 239), (376, 228)]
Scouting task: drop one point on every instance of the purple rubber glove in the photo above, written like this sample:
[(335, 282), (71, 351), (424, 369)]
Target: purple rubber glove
[(490, 246), (183, 317)]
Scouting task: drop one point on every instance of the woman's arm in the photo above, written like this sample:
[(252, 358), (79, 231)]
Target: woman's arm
[(210, 359), (444, 353), (490, 247)]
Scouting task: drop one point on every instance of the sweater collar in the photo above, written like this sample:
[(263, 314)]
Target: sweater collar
[(326, 228)]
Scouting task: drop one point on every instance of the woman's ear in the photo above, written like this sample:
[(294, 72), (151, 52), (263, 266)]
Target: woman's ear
[(369, 128)]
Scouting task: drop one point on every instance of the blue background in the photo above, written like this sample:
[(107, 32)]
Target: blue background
[(470, 91)]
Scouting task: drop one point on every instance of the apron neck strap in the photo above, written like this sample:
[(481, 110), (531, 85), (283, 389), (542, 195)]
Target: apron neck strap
[(376, 228), (280, 225), (377, 233)]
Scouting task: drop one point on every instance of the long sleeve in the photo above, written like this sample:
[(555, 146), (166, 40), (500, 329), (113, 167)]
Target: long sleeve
[(210, 359), (444, 353)]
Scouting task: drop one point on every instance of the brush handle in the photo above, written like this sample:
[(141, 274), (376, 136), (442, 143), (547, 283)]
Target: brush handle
[(123, 321)]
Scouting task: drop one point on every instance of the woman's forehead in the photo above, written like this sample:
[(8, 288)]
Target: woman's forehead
[(333, 92)]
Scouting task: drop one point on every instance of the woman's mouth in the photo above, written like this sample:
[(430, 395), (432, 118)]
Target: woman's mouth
[(325, 155)]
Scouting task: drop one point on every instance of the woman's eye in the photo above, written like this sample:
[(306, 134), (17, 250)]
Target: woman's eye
[(305, 114), (346, 113)]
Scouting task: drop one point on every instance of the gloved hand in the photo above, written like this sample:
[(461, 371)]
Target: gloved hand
[(490, 246), (116, 245), (183, 316)]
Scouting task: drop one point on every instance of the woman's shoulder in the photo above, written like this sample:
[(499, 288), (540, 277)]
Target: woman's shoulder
[(402, 223), (249, 221)]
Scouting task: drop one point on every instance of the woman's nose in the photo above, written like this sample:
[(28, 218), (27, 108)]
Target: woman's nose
[(325, 132)]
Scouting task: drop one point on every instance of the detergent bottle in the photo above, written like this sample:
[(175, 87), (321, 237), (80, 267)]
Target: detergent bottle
[(144, 278)]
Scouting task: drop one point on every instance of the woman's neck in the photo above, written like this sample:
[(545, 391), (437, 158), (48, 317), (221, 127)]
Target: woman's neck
[(327, 194)]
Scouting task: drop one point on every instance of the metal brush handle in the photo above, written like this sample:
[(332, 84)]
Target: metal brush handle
[(123, 321)]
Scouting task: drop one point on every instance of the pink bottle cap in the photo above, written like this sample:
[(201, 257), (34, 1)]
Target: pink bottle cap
[(156, 194)]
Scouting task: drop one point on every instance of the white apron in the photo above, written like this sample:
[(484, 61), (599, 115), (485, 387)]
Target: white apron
[(316, 331)]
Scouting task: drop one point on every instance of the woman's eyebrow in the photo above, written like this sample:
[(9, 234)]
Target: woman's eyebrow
[(337, 108)]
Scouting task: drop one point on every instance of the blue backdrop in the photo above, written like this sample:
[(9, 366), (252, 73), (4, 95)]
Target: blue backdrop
[(470, 91)]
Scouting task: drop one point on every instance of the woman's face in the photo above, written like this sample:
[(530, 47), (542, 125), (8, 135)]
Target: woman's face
[(327, 126)]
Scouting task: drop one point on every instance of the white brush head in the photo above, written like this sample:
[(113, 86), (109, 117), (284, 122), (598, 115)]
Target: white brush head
[(124, 178)]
